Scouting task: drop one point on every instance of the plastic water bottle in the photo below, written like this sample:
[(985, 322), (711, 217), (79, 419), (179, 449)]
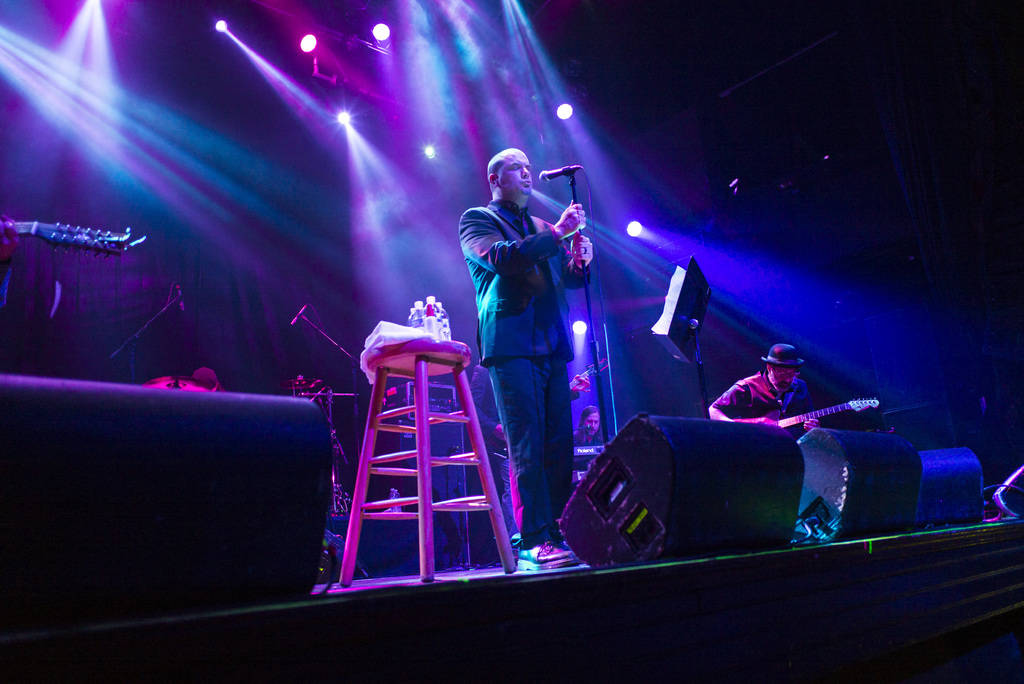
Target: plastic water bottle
[(416, 314), (430, 323), (444, 323)]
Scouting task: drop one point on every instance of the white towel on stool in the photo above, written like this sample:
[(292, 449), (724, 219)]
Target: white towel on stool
[(385, 335)]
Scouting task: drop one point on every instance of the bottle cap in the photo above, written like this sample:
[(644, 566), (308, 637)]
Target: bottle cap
[(431, 299), (418, 303)]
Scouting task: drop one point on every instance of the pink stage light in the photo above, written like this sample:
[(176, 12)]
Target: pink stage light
[(308, 43), (564, 111), (381, 32), (221, 26)]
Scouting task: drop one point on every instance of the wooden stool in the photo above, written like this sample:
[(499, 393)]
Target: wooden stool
[(419, 360)]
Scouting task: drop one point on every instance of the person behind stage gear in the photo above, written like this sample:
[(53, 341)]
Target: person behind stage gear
[(588, 430), (520, 268), (776, 392)]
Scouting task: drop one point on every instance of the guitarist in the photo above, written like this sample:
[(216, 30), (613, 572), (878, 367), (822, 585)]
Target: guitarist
[(774, 393), (8, 243)]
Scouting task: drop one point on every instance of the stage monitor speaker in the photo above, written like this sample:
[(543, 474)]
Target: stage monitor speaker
[(668, 487), (118, 499), (951, 487), (859, 483)]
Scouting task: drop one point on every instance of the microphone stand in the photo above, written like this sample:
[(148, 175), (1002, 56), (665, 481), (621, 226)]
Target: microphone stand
[(598, 382), (134, 339), (355, 378)]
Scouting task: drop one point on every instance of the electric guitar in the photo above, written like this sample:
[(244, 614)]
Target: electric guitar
[(89, 239), (852, 405)]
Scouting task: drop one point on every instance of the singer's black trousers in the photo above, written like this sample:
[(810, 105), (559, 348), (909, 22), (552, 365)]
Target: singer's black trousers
[(532, 395)]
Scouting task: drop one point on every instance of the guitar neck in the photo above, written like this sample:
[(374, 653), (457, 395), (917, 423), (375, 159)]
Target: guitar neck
[(26, 227), (796, 420), (76, 237), (592, 369)]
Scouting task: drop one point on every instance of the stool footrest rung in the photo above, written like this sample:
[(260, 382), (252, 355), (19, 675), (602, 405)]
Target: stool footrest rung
[(467, 459), (453, 417), (463, 503), (391, 503), (433, 418), (390, 515), (394, 472), (395, 412), (392, 427), (392, 457)]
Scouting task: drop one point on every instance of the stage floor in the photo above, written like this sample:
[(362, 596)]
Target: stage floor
[(888, 606)]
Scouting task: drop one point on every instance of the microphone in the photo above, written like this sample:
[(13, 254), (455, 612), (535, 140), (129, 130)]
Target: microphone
[(555, 173), (299, 314)]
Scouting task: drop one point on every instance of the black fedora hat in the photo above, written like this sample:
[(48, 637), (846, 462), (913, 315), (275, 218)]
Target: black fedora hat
[(783, 355)]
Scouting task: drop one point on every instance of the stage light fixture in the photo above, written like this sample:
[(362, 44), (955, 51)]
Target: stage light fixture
[(344, 118), (634, 228), (308, 43), (430, 151), (564, 111), (579, 327), (381, 32), (221, 26)]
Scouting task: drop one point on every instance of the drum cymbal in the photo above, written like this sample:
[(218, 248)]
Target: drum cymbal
[(178, 382), (300, 383)]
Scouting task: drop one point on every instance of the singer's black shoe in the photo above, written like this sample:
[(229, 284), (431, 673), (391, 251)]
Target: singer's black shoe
[(545, 556)]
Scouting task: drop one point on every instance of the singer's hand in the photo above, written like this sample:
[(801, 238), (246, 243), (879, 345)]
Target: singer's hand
[(582, 250), (8, 238), (572, 220)]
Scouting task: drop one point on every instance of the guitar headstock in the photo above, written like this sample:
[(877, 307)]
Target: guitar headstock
[(861, 404), (89, 239)]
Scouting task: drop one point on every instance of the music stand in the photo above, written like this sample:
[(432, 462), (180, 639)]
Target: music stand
[(686, 304)]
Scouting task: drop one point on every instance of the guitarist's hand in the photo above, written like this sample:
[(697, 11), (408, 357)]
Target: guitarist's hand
[(8, 238), (579, 383), (811, 424)]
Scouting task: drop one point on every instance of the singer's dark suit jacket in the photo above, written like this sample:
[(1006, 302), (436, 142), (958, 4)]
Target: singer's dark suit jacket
[(520, 285)]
